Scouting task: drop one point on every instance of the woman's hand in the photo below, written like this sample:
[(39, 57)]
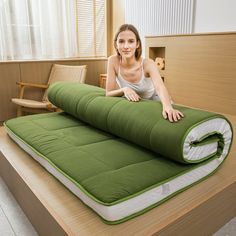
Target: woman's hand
[(172, 114), (131, 95)]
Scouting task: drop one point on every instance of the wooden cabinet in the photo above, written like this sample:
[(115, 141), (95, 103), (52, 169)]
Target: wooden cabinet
[(199, 69)]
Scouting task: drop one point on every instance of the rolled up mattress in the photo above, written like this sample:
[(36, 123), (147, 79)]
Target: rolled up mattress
[(121, 158), (200, 135)]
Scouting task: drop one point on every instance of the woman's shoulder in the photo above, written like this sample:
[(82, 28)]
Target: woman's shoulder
[(113, 63), (148, 63), (114, 59)]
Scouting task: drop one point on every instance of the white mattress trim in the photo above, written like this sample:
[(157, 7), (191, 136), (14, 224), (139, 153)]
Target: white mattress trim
[(150, 197), (197, 153)]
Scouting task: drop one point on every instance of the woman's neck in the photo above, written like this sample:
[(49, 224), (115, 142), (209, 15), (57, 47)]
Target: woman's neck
[(129, 62)]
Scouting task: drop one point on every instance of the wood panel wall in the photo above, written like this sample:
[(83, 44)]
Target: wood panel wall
[(199, 70), (37, 72)]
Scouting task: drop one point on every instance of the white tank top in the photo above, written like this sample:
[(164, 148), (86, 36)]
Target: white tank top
[(144, 88)]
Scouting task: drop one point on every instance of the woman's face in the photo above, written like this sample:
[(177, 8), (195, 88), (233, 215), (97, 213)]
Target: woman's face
[(126, 43)]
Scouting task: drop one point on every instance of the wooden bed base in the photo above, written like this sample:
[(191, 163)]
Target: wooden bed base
[(54, 210)]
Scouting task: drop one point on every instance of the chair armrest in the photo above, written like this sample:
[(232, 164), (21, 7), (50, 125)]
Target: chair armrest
[(24, 84)]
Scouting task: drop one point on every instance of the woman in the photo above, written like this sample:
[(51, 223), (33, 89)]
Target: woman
[(129, 75)]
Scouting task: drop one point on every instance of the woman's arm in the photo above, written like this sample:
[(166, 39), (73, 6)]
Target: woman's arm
[(111, 89), (168, 111), (111, 85)]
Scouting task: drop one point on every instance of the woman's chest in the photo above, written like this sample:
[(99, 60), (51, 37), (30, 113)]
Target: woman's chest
[(133, 75)]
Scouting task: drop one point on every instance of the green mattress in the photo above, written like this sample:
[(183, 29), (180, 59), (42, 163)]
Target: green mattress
[(121, 158)]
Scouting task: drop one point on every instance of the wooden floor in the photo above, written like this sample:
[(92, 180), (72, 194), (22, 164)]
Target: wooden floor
[(53, 210)]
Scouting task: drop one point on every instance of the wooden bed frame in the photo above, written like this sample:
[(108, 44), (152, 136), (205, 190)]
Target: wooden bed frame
[(54, 210)]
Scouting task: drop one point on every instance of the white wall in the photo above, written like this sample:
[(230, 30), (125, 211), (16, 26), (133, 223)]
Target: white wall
[(214, 16)]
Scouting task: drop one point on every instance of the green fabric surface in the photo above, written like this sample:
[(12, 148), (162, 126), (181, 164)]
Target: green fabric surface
[(138, 122), (105, 167)]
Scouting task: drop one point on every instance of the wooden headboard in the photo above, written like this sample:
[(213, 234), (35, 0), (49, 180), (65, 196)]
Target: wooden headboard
[(200, 69)]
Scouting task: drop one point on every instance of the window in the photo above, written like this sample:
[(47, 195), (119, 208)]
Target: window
[(91, 28), (42, 29)]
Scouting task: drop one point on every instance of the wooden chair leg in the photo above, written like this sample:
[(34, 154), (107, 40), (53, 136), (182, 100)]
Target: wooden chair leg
[(58, 110), (19, 111)]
